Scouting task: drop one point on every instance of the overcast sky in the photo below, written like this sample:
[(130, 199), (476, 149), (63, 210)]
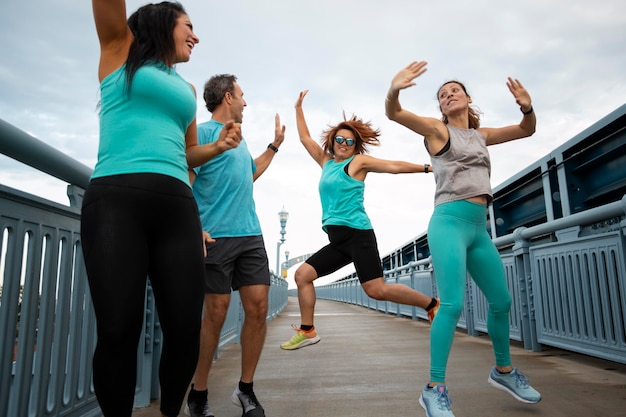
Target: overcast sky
[(570, 55)]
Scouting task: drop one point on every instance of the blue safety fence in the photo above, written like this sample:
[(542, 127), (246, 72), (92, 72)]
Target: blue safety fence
[(559, 225), (47, 321)]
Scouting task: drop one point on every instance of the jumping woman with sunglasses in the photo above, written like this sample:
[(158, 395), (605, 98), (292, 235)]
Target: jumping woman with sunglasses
[(352, 239)]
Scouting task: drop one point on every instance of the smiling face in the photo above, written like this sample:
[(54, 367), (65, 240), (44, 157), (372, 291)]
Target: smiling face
[(236, 103), (452, 97), (342, 150), (184, 38)]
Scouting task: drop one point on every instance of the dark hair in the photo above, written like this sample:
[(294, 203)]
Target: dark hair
[(364, 134), (474, 115), (153, 31), (216, 87)]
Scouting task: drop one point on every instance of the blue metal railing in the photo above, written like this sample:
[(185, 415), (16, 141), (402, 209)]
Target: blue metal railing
[(570, 293), (46, 317), (560, 226)]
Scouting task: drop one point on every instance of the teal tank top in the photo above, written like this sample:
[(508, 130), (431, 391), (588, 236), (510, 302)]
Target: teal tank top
[(342, 197), (144, 131)]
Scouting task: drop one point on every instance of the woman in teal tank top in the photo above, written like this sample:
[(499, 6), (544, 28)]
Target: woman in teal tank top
[(344, 168), (139, 218)]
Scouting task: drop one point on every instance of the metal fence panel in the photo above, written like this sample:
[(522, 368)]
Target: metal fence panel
[(580, 288)]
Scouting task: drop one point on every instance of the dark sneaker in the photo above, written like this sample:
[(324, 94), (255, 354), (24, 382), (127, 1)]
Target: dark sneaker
[(516, 384), (198, 408), (251, 406)]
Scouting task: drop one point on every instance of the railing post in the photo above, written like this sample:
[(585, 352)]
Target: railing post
[(521, 251)]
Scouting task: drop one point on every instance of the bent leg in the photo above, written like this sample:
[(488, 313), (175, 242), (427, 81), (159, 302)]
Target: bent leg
[(378, 289)]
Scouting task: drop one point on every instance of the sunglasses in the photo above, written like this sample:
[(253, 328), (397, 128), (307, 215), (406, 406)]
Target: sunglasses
[(341, 139)]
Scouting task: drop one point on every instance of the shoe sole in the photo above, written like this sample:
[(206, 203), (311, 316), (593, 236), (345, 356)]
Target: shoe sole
[(307, 342), (187, 411), (508, 390), (424, 406)]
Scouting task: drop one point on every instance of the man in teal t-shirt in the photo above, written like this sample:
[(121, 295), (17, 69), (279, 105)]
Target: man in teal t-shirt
[(236, 260)]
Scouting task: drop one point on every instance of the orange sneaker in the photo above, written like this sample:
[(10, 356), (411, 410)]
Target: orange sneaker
[(433, 311), (301, 339)]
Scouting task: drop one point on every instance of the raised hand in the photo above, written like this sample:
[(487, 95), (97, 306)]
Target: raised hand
[(279, 131), (404, 78), (300, 98), (522, 98)]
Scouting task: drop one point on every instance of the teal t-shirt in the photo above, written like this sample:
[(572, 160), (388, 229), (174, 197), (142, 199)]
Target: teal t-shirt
[(342, 197), (144, 131), (224, 188)]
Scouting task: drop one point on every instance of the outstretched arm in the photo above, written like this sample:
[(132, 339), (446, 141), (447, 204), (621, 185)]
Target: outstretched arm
[(432, 129), (263, 161), (522, 130), (113, 33), (362, 164), (312, 147)]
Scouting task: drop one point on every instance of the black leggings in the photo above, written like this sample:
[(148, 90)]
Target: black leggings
[(134, 226)]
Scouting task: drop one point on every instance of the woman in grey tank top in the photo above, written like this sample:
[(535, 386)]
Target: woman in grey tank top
[(457, 234)]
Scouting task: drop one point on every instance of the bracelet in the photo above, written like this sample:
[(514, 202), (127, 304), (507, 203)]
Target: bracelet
[(426, 166), (527, 112), (272, 147)]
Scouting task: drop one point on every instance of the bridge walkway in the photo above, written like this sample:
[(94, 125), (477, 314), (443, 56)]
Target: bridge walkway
[(369, 364)]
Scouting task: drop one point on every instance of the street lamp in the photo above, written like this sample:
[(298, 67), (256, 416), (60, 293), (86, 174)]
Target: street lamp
[(284, 271), (283, 215)]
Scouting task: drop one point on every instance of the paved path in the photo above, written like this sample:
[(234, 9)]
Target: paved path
[(369, 364)]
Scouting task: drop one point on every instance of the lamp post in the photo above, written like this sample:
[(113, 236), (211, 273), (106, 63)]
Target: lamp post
[(284, 271), (283, 215)]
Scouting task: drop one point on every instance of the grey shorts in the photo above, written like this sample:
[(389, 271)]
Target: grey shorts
[(232, 262)]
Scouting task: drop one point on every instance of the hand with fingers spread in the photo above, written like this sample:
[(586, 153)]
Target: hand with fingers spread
[(404, 78), (522, 98)]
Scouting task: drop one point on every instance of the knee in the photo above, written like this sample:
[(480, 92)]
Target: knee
[(215, 312), (304, 275), (502, 305), (377, 292), (256, 310), (453, 309)]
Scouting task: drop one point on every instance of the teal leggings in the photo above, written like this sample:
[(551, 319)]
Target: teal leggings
[(459, 243)]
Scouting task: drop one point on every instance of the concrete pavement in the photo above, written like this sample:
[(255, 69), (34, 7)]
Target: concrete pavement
[(369, 364)]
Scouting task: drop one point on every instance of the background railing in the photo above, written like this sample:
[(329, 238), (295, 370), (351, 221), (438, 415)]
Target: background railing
[(559, 226), (46, 316)]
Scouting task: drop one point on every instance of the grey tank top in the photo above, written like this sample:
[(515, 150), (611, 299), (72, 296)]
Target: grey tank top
[(464, 169)]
